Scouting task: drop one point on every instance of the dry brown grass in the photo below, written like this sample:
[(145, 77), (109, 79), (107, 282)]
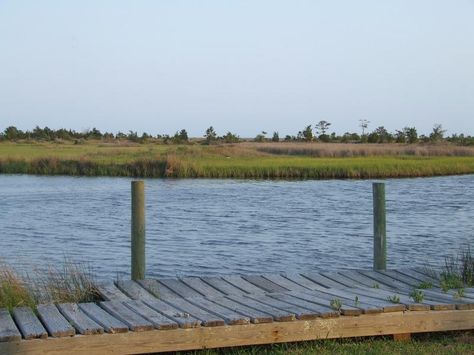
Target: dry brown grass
[(341, 150)]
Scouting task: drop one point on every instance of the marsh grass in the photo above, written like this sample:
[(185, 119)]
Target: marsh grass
[(72, 282), (245, 160), (342, 150), (458, 271), (14, 292)]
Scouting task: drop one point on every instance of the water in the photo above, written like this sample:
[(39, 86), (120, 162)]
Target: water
[(208, 227)]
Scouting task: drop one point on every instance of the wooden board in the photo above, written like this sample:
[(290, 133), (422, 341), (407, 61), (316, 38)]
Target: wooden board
[(203, 288), (264, 284), (134, 290), (104, 319), (255, 315), (180, 288), (248, 334), (208, 319), (29, 325), (8, 329), (321, 310), (134, 321), (158, 290), (54, 322), (299, 312), (158, 320), (319, 279), (230, 316), (348, 308), (277, 314), (286, 283), (223, 286), (243, 285), (79, 320), (185, 320), (109, 292)]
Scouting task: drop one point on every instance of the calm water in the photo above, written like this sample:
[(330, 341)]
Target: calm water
[(226, 226)]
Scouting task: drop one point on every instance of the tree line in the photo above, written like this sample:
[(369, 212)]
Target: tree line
[(317, 133)]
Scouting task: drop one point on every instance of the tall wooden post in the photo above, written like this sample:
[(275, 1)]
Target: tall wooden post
[(380, 234), (138, 230)]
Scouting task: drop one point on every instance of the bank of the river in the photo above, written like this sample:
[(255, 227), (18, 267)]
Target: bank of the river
[(247, 160)]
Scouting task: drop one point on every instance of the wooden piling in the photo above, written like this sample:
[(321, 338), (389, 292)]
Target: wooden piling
[(380, 234), (138, 230)]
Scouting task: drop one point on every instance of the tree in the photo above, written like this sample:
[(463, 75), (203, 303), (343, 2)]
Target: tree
[(411, 134), (276, 137), (12, 133), (321, 127), (380, 135), (307, 134), (260, 137), (211, 135), (230, 138), (363, 123), (180, 137), (438, 133)]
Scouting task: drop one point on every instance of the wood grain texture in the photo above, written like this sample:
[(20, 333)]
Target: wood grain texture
[(134, 321), (107, 321), (158, 320), (109, 292), (248, 334), (79, 320), (54, 321), (8, 329), (29, 325)]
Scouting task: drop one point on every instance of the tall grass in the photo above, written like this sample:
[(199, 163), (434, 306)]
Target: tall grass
[(72, 282), (342, 150), (246, 160), (458, 271), (14, 291)]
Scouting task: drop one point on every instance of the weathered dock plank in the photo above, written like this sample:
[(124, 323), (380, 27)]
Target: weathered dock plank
[(184, 320), (134, 321), (79, 320), (202, 287), (223, 286), (108, 322), (264, 284), (29, 325), (255, 315), (276, 313), (230, 316), (207, 319), (158, 320), (109, 292), (8, 329), (54, 321)]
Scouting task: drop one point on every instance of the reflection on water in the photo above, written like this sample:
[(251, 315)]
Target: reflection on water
[(203, 227)]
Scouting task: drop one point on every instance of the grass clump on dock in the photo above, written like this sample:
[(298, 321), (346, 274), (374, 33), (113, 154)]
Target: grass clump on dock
[(458, 271), (73, 282), (14, 292)]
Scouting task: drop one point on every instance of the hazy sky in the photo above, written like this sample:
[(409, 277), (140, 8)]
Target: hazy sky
[(241, 66)]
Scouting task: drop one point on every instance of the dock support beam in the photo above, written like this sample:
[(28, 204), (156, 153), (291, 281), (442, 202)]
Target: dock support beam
[(380, 234), (138, 230)]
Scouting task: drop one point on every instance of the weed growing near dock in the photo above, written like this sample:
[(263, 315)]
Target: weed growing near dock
[(14, 292), (417, 296), (458, 272), (73, 282)]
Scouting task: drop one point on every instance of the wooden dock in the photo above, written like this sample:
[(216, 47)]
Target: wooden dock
[(155, 315)]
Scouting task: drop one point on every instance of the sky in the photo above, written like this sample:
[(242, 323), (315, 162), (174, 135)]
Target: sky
[(241, 66)]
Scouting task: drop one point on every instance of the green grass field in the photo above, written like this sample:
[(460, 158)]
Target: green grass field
[(258, 161)]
